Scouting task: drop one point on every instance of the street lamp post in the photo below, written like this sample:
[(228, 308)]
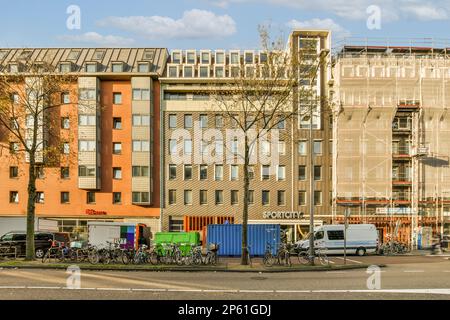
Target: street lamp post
[(346, 215)]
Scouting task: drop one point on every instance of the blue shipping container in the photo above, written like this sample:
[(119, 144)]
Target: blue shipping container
[(229, 238)]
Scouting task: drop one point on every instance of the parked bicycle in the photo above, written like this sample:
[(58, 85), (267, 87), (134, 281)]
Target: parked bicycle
[(282, 256), (319, 254)]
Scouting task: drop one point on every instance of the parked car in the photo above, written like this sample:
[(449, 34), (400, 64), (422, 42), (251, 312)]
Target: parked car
[(42, 241), (360, 240)]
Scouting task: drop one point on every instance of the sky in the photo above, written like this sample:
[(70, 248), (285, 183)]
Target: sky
[(214, 24)]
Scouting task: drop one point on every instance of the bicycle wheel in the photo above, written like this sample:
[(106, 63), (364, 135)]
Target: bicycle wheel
[(125, 258), (287, 259), (46, 257), (268, 259), (93, 257), (178, 258), (323, 259), (303, 257)]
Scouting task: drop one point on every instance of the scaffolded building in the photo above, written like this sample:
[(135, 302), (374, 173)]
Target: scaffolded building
[(391, 133)]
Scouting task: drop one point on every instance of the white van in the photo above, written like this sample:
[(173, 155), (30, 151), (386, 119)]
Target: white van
[(361, 239)]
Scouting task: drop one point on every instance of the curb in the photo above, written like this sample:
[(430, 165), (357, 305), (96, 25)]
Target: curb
[(182, 269)]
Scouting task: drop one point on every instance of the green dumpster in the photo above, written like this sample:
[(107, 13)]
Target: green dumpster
[(184, 238)]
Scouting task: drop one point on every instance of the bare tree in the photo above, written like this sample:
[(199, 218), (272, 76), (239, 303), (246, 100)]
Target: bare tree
[(30, 125), (263, 95)]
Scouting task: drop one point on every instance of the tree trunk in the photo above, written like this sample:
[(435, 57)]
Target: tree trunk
[(30, 250), (244, 260)]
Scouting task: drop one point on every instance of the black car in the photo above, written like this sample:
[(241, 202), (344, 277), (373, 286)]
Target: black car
[(42, 241)]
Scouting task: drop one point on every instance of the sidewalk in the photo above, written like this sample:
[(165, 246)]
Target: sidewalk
[(225, 265)]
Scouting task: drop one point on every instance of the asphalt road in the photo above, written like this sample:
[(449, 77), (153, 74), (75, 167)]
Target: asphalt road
[(403, 278)]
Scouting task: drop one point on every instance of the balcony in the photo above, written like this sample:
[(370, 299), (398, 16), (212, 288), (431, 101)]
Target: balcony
[(400, 125)]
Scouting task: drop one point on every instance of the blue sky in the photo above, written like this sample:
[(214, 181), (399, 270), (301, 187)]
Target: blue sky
[(213, 23)]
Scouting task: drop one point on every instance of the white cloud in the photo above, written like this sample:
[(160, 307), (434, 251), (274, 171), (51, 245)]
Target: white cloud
[(194, 24), (95, 38), (356, 9), (327, 24)]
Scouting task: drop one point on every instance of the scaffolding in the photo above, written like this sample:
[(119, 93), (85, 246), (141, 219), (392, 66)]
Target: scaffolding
[(392, 135)]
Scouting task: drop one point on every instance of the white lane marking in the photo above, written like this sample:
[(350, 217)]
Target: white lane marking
[(336, 272), (404, 291), (354, 261), (413, 271), (114, 289)]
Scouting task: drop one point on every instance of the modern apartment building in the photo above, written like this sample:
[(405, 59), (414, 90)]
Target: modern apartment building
[(109, 166), (392, 141), (199, 193)]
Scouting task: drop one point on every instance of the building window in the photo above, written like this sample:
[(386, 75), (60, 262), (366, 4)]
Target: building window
[(219, 197), (281, 173), (13, 147), (40, 197), (265, 197), (219, 72), (91, 67), (117, 123), (176, 57), (303, 148), (117, 148), (302, 173), (219, 121), (187, 197), (187, 146), (203, 172), (86, 120), (13, 172), (218, 146), (234, 197), (251, 172), (205, 57), (331, 147), (188, 121), (203, 197), (15, 99), (65, 98), (143, 68), (117, 67), (39, 172), (172, 197), (65, 123), (65, 148), (88, 94), (203, 121), (13, 197), (140, 197), (140, 171), (86, 171), (265, 148), (317, 198), (117, 98), (251, 197), (218, 172), (191, 57), (281, 197), (141, 94), (176, 225), (117, 197), (188, 72), (173, 72), (317, 173), (65, 173), (173, 146), (141, 120), (90, 197), (265, 172), (172, 121), (172, 171), (204, 72), (317, 147), (282, 147), (234, 58), (65, 197), (65, 67), (117, 173), (302, 198), (141, 146), (281, 123), (187, 172), (86, 145), (234, 172), (15, 124)]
